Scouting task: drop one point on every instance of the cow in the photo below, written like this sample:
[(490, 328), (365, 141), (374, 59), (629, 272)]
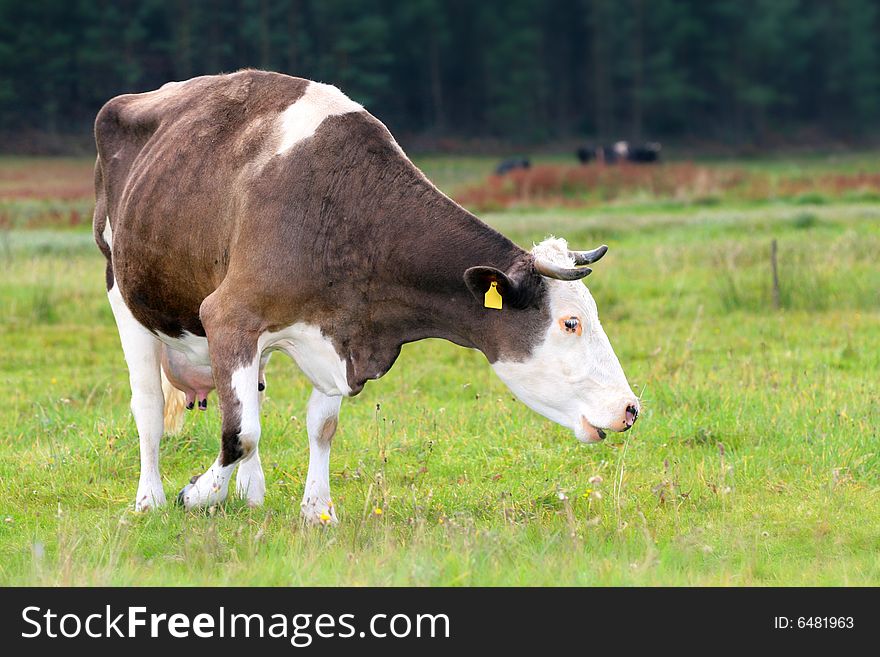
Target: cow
[(585, 154), (620, 151), (512, 164), (644, 153), (253, 212)]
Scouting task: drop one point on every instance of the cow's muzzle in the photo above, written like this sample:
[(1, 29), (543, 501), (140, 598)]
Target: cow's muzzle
[(591, 434)]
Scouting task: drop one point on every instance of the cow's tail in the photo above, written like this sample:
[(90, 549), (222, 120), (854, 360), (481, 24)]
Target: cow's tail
[(175, 406), (100, 221)]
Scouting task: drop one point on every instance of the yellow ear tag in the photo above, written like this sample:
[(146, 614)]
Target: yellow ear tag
[(492, 298)]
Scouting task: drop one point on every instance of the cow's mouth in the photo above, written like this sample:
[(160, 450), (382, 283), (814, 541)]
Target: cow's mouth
[(590, 433)]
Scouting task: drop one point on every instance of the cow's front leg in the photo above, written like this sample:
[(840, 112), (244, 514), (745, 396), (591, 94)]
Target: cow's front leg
[(321, 420), (142, 353), (250, 482), (236, 365)]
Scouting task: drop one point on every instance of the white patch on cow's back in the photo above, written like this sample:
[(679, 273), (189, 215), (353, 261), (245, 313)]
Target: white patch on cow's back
[(301, 120), (314, 353), (108, 233)]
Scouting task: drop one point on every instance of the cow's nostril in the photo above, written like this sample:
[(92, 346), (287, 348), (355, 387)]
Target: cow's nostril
[(632, 414)]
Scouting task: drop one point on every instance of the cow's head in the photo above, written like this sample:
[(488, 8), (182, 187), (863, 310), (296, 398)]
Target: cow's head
[(570, 373)]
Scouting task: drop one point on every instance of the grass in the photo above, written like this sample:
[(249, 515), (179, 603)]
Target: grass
[(755, 461)]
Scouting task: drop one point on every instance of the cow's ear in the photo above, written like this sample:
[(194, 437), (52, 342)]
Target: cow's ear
[(513, 291)]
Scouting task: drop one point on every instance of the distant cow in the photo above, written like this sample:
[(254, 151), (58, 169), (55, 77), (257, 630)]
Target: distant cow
[(255, 212), (586, 154), (644, 153), (512, 164), (620, 151)]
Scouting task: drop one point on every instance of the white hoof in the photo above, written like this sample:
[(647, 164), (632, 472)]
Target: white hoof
[(251, 490), (202, 491), (149, 496), (318, 512), (250, 483)]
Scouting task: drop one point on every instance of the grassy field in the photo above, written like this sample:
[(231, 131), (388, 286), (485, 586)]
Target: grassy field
[(756, 460)]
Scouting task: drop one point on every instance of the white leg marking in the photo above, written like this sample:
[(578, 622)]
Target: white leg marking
[(250, 482), (142, 353), (321, 419), (212, 487), (245, 384)]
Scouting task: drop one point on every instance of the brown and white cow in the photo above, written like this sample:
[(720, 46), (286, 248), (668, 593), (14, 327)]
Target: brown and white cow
[(252, 212)]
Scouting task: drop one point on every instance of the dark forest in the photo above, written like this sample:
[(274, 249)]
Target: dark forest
[(726, 71)]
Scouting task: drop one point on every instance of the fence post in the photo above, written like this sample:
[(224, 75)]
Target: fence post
[(775, 269)]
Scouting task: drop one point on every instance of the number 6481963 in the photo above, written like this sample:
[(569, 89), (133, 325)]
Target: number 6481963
[(825, 622)]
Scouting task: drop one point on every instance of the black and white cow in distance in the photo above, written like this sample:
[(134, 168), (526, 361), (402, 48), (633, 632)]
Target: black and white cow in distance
[(621, 151), (253, 212)]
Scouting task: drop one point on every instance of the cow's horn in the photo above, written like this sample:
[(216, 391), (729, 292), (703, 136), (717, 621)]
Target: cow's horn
[(588, 257), (552, 270)]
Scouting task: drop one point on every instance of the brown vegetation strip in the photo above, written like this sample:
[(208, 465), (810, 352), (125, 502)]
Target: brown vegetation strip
[(561, 185), (46, 179)]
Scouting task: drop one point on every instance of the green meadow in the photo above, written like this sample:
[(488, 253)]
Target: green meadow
[(756, 460)]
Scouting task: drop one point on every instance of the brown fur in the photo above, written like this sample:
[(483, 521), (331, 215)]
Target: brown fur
[(328, 430)]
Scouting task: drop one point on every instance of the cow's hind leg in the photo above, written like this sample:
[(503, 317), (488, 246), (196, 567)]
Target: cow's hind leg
[(250, 482), (321, 420), (235, 362), (142, 353)]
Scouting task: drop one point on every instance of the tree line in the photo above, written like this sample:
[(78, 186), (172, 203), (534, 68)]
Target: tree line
[(523, 70)]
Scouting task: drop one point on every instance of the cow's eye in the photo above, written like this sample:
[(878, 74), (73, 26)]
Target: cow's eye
[(571, 324)]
